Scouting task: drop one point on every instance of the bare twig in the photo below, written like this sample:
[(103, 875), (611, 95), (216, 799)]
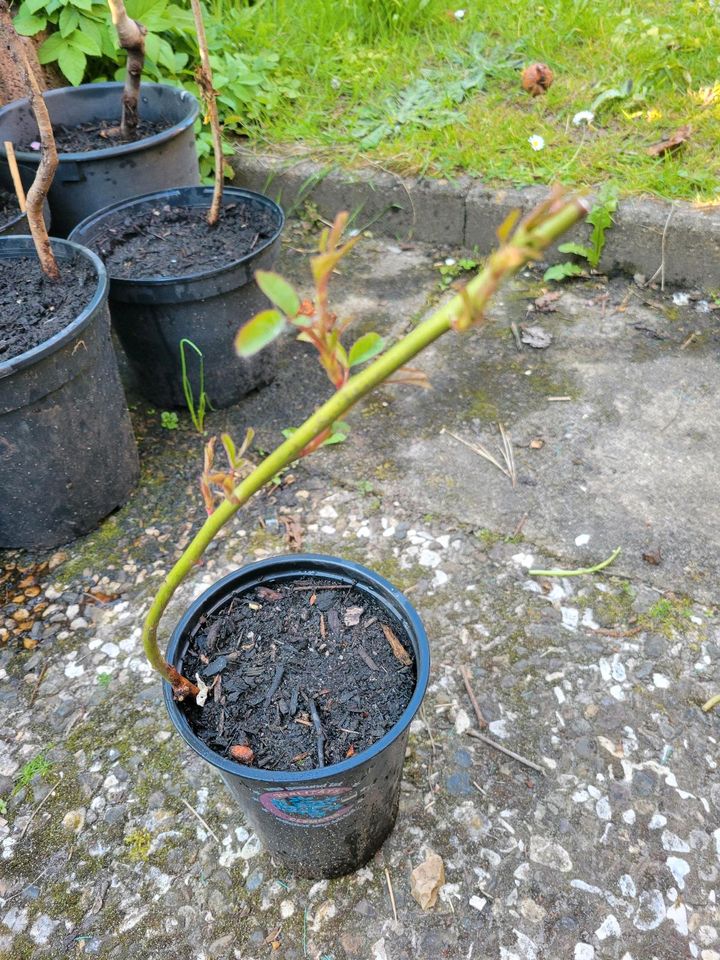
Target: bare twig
[(508, 470), (580, 571), (508, 454), (508, 753), (392, 894), (205, 824), (39, 807), (661, 269), (131, 36), (15, 174), (205, 82), (465, 673), (45, 172)]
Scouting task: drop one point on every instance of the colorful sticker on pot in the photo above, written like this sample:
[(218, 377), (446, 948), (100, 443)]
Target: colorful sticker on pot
[(309, 806)]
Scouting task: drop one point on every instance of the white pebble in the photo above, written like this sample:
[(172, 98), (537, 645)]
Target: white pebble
[(74, 670), (583, 951), (608, 928), (582, 539)]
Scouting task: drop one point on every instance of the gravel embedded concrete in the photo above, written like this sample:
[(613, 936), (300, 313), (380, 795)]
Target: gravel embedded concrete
[(612, 853)]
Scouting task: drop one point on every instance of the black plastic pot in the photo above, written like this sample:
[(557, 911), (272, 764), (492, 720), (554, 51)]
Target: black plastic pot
[(330, 821), (18, 224), (85, 182), (153, 315), (67, 450)]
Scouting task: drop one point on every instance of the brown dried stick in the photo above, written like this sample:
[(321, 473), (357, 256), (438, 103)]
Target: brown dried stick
[(131, 36), (205, 82), (46, 169), (15, 174), (465, 672)]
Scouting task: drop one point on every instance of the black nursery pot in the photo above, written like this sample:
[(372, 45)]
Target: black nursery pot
[(329, 821), (67, 450), (153, 315), (86, 182)]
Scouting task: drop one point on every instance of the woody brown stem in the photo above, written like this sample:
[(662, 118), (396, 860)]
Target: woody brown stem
[(35, 200), (205, 82), (131, 36)]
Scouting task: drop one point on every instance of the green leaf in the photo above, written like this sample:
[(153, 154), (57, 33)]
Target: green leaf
[(562, 270), (278, 291), (259, 332), (72, 62), (27, 25), (339, 433), (31, 6), (68, 21), (368, 346), (51, 48), (85, 43), (576, 248)]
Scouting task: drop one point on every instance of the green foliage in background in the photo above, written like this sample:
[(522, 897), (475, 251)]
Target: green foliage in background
[(426, 87)]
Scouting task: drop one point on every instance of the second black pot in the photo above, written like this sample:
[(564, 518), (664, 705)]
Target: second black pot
[(67, 450), (153, 315), (85, 182), (329, 821)]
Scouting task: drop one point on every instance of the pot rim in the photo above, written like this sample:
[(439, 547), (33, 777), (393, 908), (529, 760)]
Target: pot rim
[(76, 326), (285, 565), (147, 198), (119, 149)]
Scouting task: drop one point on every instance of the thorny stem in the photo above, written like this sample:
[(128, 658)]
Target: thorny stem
[(533, 235), (36, 195), (131, 36), (205, 82), (581, 571)]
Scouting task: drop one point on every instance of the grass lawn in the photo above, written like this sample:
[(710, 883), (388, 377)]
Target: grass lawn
[(419, 87)]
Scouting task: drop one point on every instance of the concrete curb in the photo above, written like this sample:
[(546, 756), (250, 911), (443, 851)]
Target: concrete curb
[(465, 214)]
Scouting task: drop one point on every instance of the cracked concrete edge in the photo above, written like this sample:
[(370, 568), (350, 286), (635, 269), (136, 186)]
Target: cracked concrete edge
[(464, 213)]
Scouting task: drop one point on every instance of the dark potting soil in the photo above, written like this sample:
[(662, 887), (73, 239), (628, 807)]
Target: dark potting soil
[(169, 241), (9, 208), (96, 135), (303, 673), (34, 308)]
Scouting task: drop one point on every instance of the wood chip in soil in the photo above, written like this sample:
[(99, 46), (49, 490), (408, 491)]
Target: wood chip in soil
[(160, 240), (297, 698)]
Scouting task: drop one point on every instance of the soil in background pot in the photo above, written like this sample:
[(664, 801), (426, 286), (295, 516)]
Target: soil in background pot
[(94, 135), (174, 241), (34, 308), (9, 208), (300, 672)]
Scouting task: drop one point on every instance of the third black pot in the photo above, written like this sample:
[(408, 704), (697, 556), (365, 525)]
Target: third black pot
[(153, 315), (85, 182), (329, 821), (67, 450)]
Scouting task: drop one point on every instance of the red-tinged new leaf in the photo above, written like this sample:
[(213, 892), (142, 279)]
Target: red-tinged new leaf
[(259, 332), (278, 291), (367, 347)]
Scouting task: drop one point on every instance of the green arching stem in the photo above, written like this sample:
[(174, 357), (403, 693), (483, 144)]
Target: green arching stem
[(528, 241), (579, 572), (712, 703)]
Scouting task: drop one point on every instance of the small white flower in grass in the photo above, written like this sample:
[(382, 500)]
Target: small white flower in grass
[(459, 14), (536, 142), (335, 83), (584, 116)]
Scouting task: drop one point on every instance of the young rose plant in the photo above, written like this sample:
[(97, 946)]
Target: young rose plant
[(225, 492)]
